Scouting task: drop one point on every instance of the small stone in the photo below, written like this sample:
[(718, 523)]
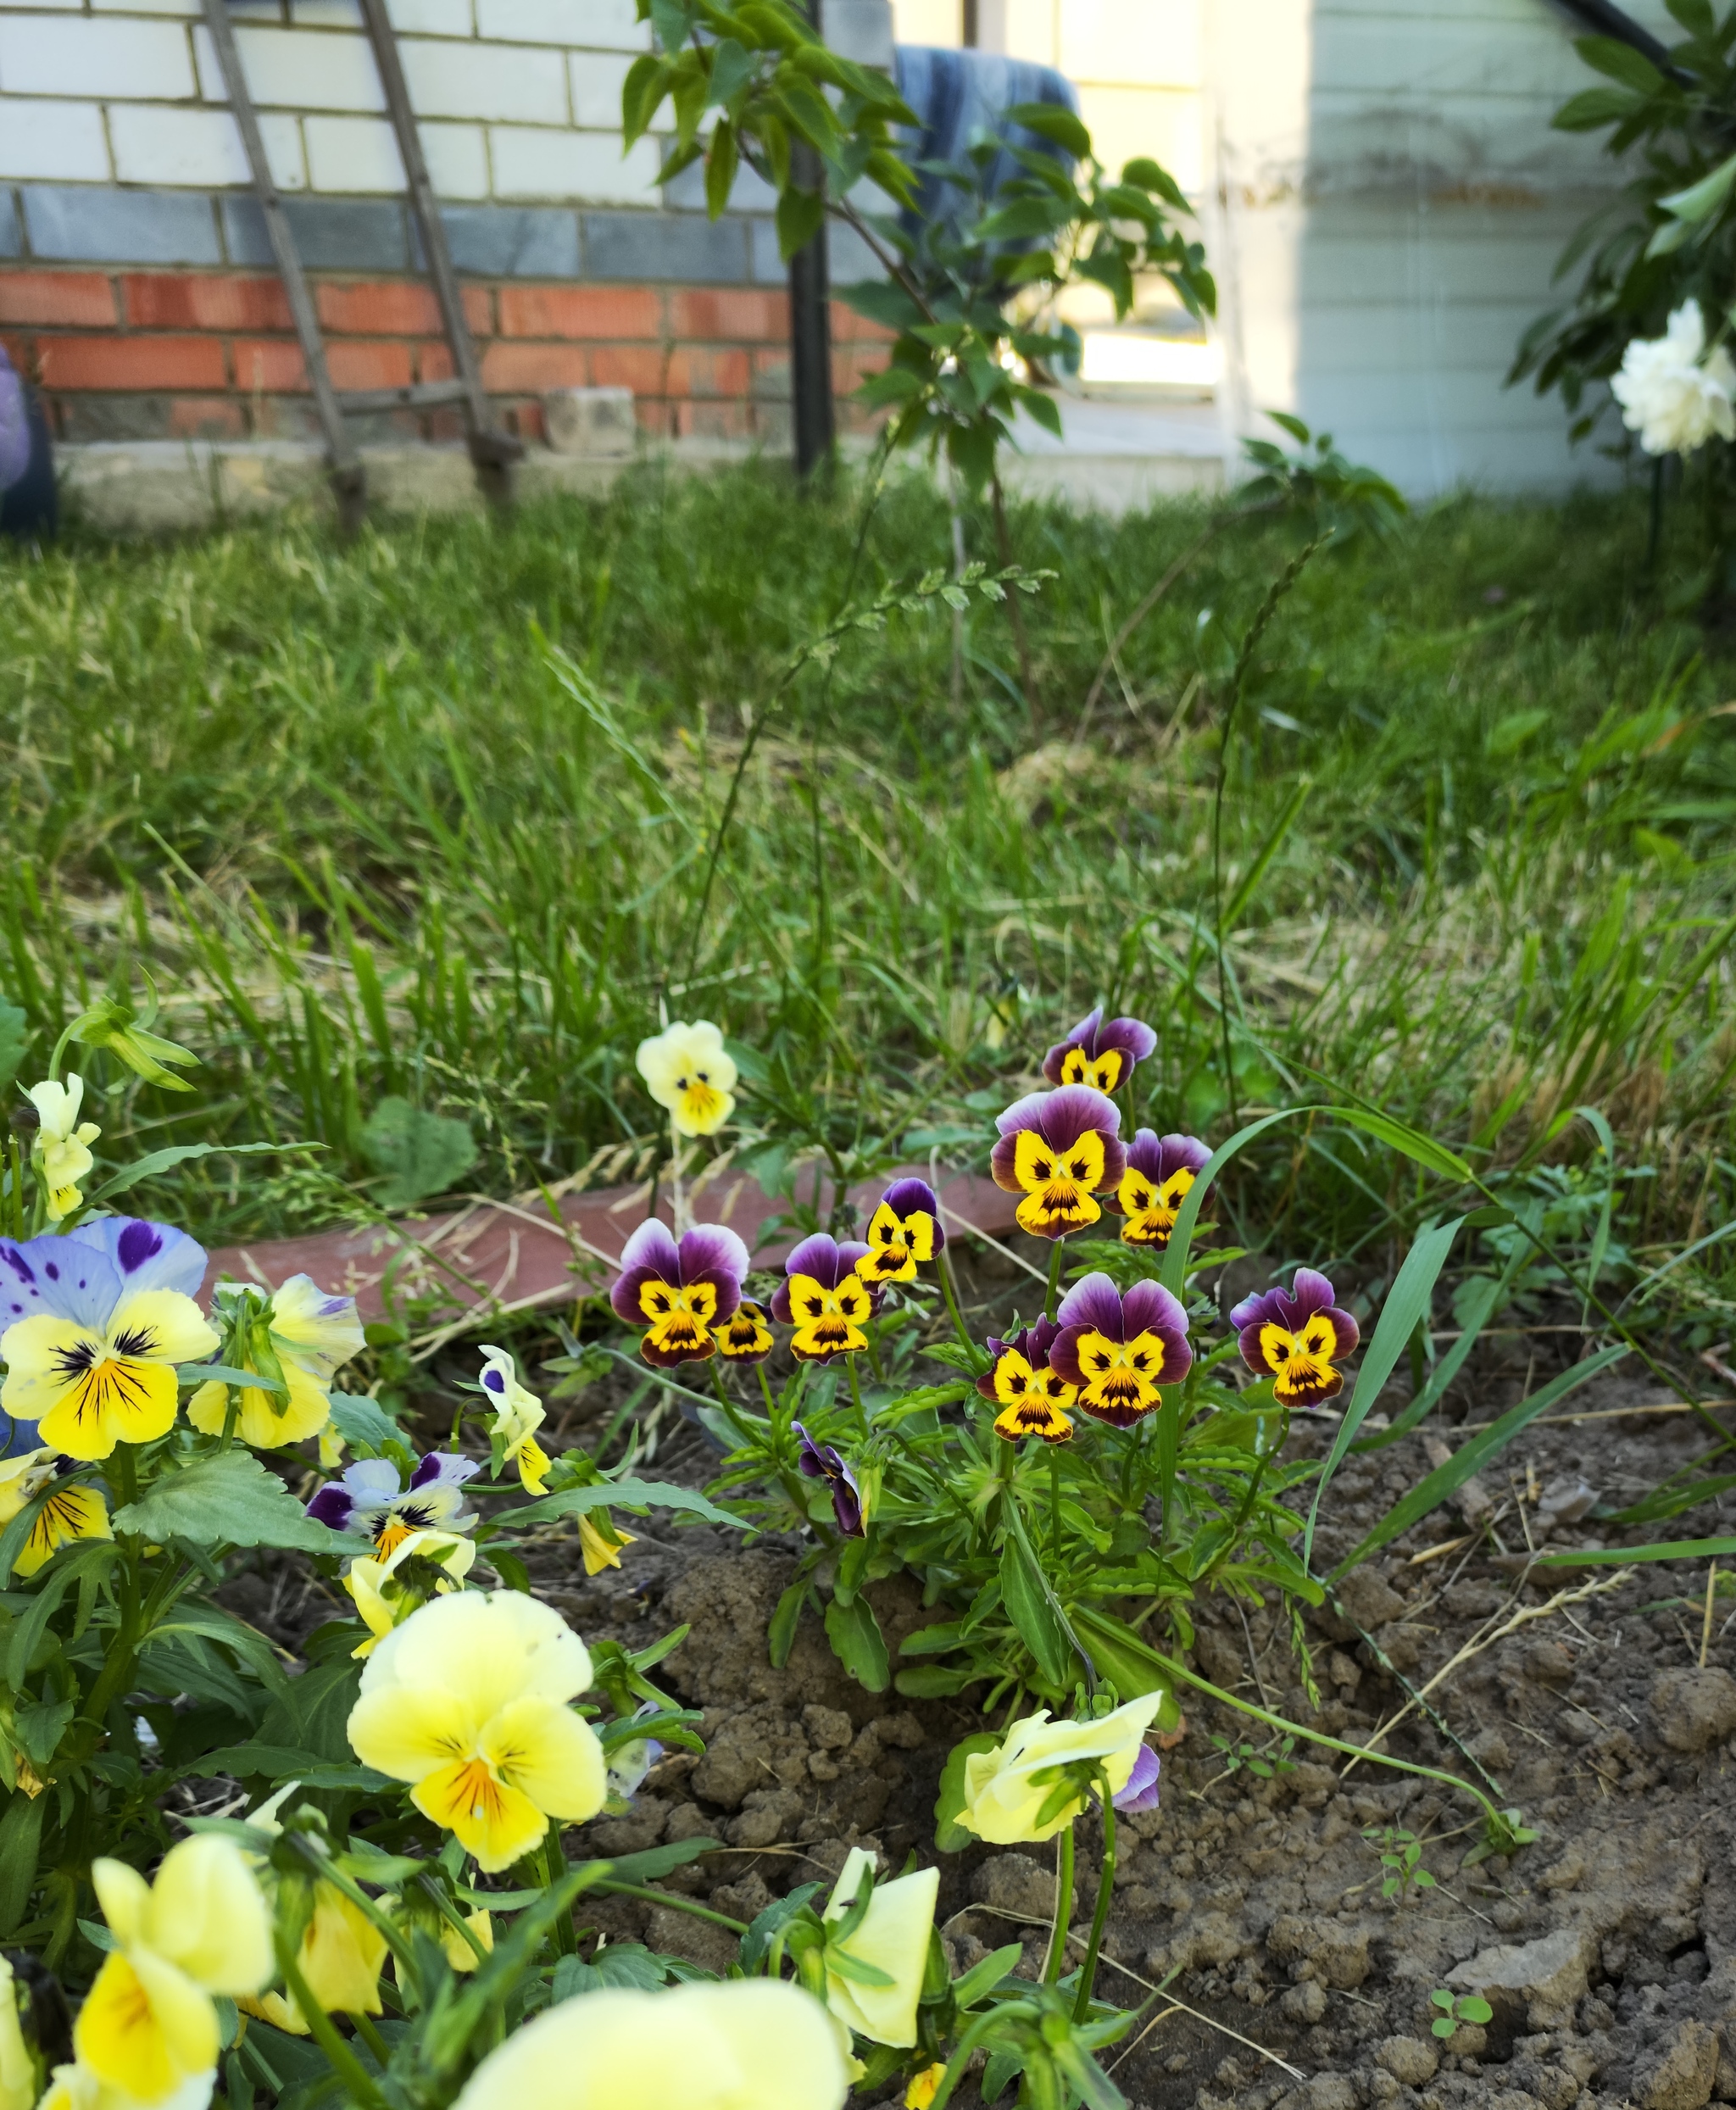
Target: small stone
[(1412, 2060), (1326, 2091), (1679, 2072), (1344, 1670), (900, 1732), (1549, 1662), (687, 1821), (1338, 1955), (1491, 1748), (823, 1766), (1550, 1974), (1694, 1708), (598, 422), (1567, 1501)]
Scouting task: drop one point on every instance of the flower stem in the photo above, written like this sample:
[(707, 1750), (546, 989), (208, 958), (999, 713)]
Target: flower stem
[(728, 1405), (566, 1940), (16, 1189), (370, 2036), (981, 2024), (1063, 1908), (677, 1202), (1106, 1885), (1051, 1296), (942, 1268), (766, 1389), (345, 2065), (671, 1897)]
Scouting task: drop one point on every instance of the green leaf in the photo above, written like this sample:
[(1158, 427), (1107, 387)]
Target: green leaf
[(1593, 109), (229, 1498), (366, 1426), (781, 1635), (1033, 1615), (1050, 120), (1699, 201), (20, 1835), (984, 1976), (1446, 1480), (619, 1963), (180, 1154), (799, 213), (1619, 1556), (642, 93), (1408, 1301), (949, 1835), (1129, 1664), (1420, 1149), (574, 1501), (418, 1153), (858, 1643), (723, 158), (14, 1038), (1611, 56)]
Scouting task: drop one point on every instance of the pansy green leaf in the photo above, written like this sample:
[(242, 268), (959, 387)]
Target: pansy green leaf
[(638, 1495), (230, 1499)]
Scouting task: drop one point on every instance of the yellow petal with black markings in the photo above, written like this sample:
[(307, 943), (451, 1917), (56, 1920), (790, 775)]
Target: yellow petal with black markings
[(70, 1513), (1103, 1073), (496, 1822), (1121, 1377), (1301, 1364)]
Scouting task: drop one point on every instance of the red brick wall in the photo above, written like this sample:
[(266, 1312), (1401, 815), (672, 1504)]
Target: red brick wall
[(133, 354)]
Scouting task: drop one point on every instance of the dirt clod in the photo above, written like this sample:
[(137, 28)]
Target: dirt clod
[(1549, 1975), (1679, 2074), (1412, 2060), (1694, 1708)]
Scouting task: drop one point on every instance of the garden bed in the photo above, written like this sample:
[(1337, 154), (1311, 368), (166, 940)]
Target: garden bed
[(1606, 1950)]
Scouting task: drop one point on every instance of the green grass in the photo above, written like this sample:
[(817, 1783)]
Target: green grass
[(429, 814)]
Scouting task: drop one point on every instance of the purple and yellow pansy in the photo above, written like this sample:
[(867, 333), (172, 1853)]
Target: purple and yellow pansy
[(745, 1338), (903, 1231), (1099, 1052), (1160, 1170), (1119, 1349), (823, 1299), (680, 1294), (1058, 1150), (1298, 1339), (1033, 1397)]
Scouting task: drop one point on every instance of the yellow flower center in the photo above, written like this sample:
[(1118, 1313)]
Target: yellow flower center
[(1058, 1184), (701, 1101), (1121, 1377), (747, 1334), (1150, 1210), (1302, 1363)]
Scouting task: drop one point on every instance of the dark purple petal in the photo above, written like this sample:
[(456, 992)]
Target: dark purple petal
[(1347, 1330), (494, 1379), (812, 1456), (1068, 1113), (820, 1256), (1148, 1306), (1023, 1113), (1141, 1790), (781, 1303), (1132, 1036), (1310, 1293), (847, 1503), (1085, 1032), (333, 1504), (444, 1468), (1265, 1308), (650, 1253), (713, 1252), (1001, 1161), (1093, 1302)]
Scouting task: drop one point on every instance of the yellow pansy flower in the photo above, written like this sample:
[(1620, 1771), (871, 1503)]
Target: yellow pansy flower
[(747, 2044), (467, 1701), (312, 1336), (148, 2025), (924, 2087), (687, 1070), (381, 1597), (459, 1952), (71, 1511), (1006, 1789), (891, 1939), (18, 2069), (600, 1540), (60, 1156)]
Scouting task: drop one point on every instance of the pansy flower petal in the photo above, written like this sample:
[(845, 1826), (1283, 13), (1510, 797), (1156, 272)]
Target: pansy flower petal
[(144, 1254), (60, 1277)]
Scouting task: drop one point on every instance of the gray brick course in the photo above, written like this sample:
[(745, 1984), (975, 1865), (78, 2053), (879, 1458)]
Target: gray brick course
[(510, 242), (11, 227), (88, 223), (332, 234), (681, 246)]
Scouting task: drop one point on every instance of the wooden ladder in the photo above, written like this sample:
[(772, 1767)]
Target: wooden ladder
[(493, 451)]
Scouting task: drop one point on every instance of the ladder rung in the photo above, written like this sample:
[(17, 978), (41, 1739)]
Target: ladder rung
[(421, 395)]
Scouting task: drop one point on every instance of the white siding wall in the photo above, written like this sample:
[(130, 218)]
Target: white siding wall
[(519, 99)]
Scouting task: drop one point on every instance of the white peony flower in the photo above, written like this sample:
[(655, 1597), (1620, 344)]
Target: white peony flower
[(1673, 393)]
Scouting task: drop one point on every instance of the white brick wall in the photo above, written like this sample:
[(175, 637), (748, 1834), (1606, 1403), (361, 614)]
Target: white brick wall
[(518, 99)]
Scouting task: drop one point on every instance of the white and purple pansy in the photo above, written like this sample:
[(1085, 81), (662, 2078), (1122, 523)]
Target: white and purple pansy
[(1058, 1150), (1298, 1337), (1160, 1171), (823, 1298), (93, 1326), (821, 1461), (1118, 1350), (1099, 1052), (370, 1500), (679, 1293)]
